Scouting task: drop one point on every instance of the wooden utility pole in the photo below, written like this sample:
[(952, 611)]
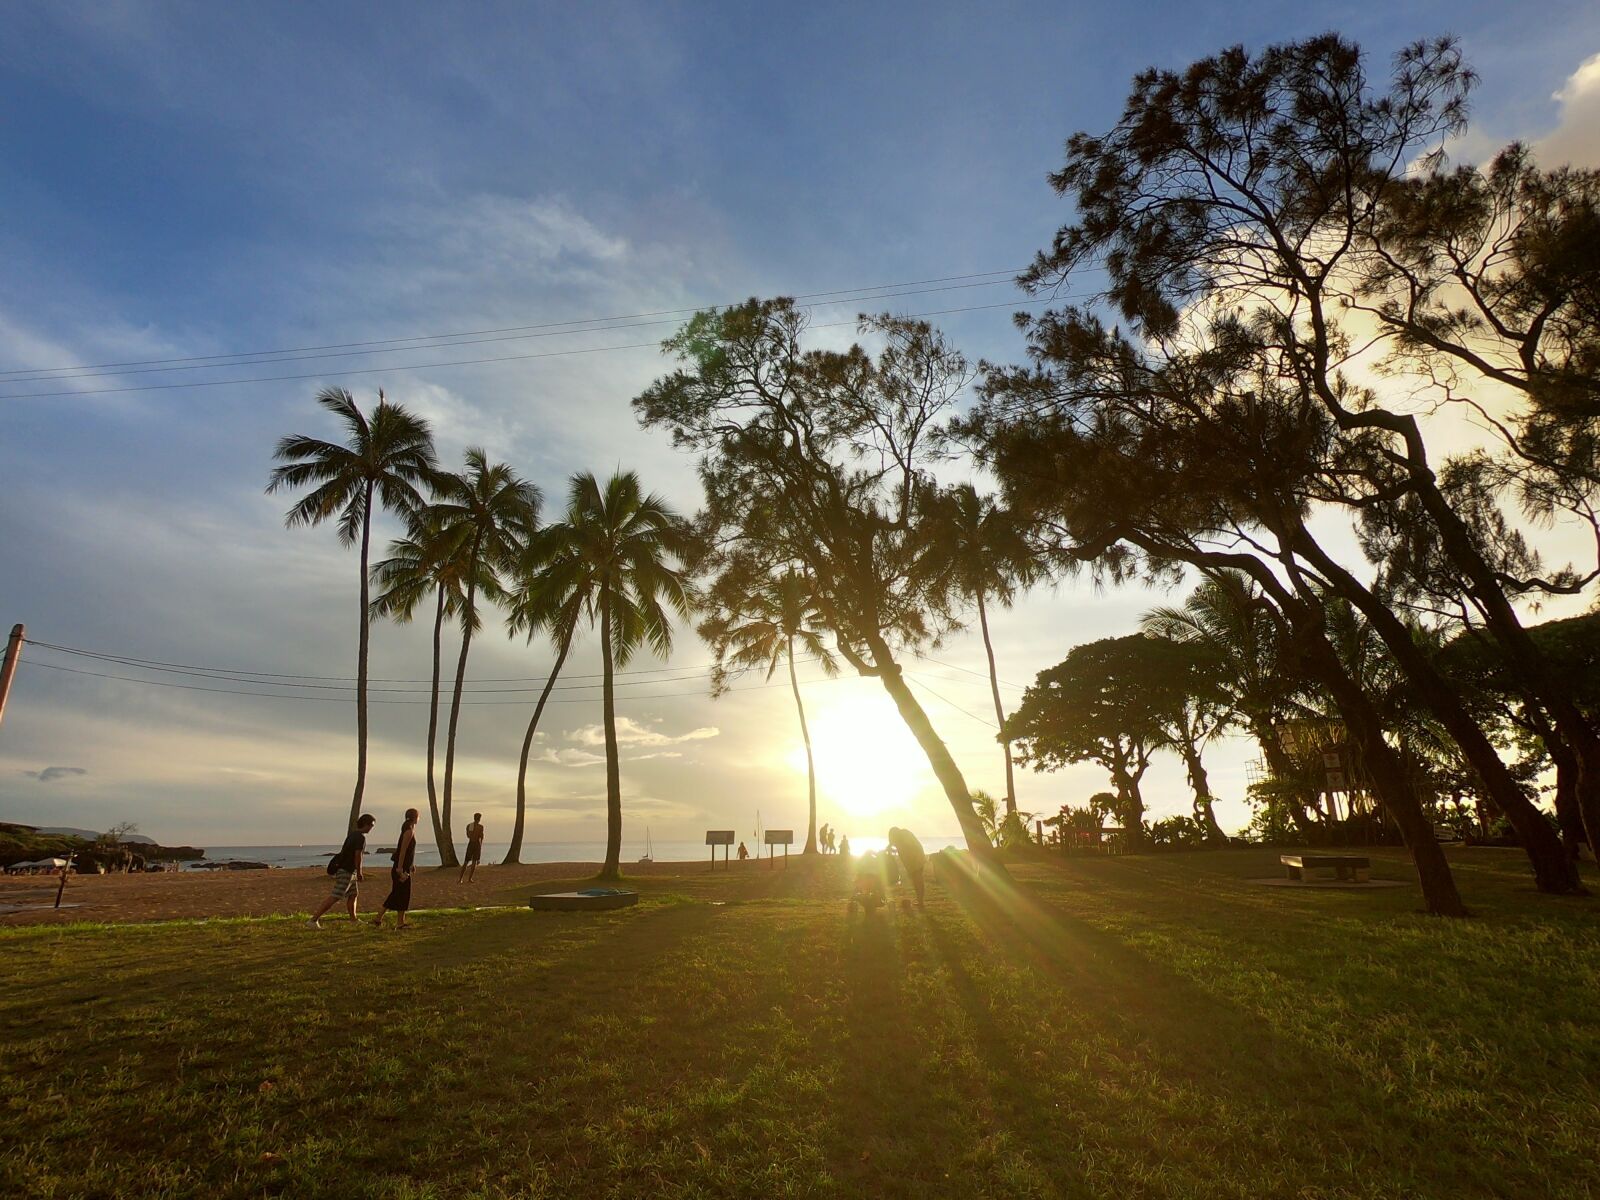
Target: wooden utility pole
[(9, 668)]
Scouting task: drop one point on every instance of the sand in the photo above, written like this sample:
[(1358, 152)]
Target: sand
[(188, 895)]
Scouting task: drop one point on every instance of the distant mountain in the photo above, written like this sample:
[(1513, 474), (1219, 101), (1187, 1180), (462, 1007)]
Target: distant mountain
[(91, 834)]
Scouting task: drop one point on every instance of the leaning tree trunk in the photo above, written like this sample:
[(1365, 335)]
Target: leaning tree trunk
[(1200, 782), (1528, 664), (439, 829), (811, 766), (612, 868), (944, 767), (1131, 799), (514, 854), (1553, 868), (999, 709), (361, 664), (447, 851), (1568, 815), (1390, 779)]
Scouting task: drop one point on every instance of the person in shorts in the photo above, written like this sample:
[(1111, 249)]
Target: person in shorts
[(469, 864), (346, 870)]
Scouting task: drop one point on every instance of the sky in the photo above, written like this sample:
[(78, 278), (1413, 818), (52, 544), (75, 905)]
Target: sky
[(188, 180)]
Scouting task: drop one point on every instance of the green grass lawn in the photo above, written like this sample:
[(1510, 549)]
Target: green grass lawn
[(1153, 1026)]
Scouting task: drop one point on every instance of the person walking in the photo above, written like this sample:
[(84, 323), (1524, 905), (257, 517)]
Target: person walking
[(913, 858), (398, 900), (469, 864), (346, 870)]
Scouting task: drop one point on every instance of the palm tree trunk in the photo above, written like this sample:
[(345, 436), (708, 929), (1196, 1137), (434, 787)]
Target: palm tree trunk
[(999, 710), (611, 869), (433, 726), (944, 766), (811, 766), (514, 854), (447, 851), (361, 663)]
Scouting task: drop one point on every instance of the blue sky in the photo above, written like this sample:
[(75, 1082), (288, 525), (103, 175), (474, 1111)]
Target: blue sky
[(185, 180)]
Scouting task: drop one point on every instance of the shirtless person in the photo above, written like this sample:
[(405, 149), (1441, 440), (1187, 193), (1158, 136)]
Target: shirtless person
[(913, 858), (469, 865)]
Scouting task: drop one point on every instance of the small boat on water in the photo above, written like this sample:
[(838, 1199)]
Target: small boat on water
[(649, 854)]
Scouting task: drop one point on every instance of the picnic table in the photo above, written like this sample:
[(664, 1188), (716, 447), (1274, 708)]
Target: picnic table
[(1356, 867)]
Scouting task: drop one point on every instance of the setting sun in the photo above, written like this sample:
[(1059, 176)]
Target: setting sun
[(867, 760)]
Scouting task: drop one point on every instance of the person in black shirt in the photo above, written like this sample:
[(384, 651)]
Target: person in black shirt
[(346, 870), (405, 855), (469, 865)]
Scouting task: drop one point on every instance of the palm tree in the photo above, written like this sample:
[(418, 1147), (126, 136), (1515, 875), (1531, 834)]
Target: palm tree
[(537, 605), (385, 457), (491, 514), (981, 549), (1227, 617), (609, 558), (758, 627), (425, 560)]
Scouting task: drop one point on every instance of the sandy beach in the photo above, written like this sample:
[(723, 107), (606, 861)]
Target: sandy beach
[(191, 895)]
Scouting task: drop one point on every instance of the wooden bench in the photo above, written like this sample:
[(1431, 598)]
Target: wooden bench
[(1344, 866)]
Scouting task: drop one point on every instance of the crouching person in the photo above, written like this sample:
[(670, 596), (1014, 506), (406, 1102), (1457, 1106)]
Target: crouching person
[(913, 858)]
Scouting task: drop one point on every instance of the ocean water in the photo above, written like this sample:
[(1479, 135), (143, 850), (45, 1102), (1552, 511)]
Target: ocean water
[(532, 852)]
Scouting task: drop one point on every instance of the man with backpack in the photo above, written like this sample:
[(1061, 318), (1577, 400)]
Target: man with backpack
[(345, 867)]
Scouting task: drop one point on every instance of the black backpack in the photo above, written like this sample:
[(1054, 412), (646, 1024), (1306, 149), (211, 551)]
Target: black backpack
[(336, 864)]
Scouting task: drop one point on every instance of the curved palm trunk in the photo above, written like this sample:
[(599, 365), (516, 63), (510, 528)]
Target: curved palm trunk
[(361, 663), (944, 766), (433, 727), (514, 854), (999, 710), (447, 850), (611, 869), (811, 766)]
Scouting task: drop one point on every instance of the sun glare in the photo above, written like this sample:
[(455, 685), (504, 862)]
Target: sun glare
[(867, 760)]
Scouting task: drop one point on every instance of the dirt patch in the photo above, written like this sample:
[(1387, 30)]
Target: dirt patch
[(199, 894)]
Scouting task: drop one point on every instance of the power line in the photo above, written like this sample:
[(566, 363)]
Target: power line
[(421, 337), (459, 362), (984, 675), (984, 721), (513, 333), (192, 687), (346, 682)]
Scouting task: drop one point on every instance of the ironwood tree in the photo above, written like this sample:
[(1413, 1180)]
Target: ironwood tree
[(1279, 187), (819, 459)]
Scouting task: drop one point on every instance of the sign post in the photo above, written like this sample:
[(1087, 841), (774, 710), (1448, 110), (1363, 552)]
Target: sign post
[(779, 837), (719, 837)]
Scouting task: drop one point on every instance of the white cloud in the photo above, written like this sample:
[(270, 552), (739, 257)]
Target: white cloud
[(1576, 137), (631, 733)]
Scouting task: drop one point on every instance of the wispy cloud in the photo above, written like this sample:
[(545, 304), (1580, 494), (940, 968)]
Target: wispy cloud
[(51, 774), (631, 733)]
